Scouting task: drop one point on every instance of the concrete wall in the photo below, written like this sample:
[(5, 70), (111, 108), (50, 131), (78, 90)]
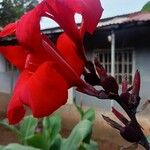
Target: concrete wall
[(7, 81), (143, 64), (7, 78)]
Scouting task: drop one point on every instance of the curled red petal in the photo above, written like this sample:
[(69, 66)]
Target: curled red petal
[(120, 116), (15, 55), (60, 8), (45, 91), (90, 17), (136, 84), (15, 110), (28, 28), (8, 30)]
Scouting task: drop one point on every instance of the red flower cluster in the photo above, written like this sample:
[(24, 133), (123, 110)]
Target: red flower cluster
[(47, 71)]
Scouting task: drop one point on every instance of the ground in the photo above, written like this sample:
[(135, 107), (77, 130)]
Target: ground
[(102, 133)]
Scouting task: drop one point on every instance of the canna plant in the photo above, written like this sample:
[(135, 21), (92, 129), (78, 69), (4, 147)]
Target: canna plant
[(45, 66), (129, 100), (35, 134)]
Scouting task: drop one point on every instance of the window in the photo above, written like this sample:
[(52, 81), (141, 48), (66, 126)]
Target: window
[(9, 66), (123, 63)]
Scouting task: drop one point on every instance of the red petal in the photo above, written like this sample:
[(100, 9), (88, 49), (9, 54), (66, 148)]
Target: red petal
[(90, 17), (45, 91), (60, 8), (15, 54), (136, 84), (69, 51), (8, 30), (15, 110), (63, 67), (28, 28)]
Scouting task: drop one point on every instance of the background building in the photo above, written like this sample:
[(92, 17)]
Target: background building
[(128, 35)]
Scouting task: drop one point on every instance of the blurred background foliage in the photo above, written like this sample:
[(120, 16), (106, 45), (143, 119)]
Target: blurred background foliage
[(11, 10)]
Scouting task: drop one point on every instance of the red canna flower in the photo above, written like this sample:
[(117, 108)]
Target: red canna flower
[(45, 67)]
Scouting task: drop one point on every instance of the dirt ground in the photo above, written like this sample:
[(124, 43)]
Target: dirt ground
[(102, 133)]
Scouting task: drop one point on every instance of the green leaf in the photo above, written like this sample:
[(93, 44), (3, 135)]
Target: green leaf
[(18, 147), (27, 127), (52, 126), (48, 136), (89, 115), (146, 7), (37, 141), (77, 136), (53, 123), (57, 143)]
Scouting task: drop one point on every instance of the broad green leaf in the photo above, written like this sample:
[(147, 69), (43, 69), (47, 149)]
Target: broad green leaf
[(51, 126), (5, 124), (18, 147), (77, 136), (146, 7), (56, 145), (38, 141), (45, 139), (27, 126), (89, 115)]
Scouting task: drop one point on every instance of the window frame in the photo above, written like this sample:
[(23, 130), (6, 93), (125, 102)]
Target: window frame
[(108, 63)]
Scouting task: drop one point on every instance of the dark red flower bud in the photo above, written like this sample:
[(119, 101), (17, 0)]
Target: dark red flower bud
[(125, 98), (90, 76), (108, 82), (129, 132), (131, 100), (136, 84), (100, 69), (124, 85)]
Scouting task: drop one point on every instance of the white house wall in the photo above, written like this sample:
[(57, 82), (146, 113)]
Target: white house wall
[(143, 64)]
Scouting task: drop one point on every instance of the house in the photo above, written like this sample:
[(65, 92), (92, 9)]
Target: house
[(121, 43)]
